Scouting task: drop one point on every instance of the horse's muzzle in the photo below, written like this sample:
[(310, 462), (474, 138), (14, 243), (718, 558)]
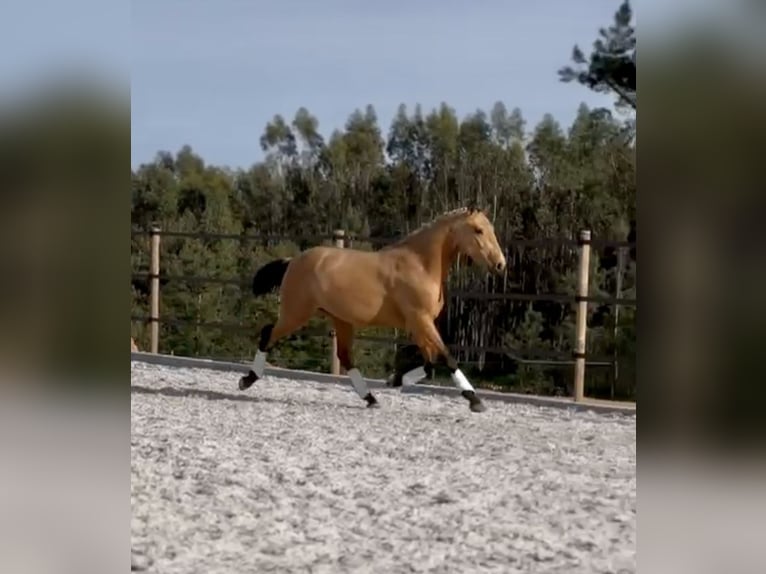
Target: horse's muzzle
[(500, 267)]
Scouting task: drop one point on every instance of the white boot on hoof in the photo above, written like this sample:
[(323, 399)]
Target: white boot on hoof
[(255, 373)]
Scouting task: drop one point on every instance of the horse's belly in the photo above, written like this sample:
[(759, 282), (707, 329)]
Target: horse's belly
[(361, 308)]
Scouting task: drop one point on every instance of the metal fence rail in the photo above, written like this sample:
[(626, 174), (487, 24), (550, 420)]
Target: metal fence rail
[(581, 298), (455, 294)]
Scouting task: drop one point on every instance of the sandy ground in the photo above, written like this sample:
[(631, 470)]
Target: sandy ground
[(300, 477)]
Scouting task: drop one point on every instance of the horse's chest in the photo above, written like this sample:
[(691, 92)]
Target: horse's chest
[(422, 296), (440, 299), (437, 302)]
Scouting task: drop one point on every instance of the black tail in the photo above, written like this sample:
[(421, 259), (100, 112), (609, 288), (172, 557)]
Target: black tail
[(269, 277)]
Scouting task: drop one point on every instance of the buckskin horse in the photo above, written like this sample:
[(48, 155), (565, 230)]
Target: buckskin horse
[(399, 286)]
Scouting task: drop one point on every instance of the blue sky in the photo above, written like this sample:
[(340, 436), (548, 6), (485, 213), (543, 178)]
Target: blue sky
[(211, 74), (43, 38)]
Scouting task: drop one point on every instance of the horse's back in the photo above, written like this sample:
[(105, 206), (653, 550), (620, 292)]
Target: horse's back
[(349, 284)]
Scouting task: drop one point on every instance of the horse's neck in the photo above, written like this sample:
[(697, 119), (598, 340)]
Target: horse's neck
[(436, 250)]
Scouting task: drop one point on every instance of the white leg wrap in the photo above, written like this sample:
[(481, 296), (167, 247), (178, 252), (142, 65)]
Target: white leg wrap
[(259, 363), (413, 376), (460, 381), (360, 386)]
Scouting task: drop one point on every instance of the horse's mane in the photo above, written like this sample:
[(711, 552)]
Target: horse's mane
[(447, 215), (436, 221)]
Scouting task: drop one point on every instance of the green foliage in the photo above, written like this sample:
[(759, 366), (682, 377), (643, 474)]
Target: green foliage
[(538, 182), (611, 67)]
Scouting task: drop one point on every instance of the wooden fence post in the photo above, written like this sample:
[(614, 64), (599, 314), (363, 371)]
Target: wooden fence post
[(621, 256), (154, 290), (339, 236), (582, 316)]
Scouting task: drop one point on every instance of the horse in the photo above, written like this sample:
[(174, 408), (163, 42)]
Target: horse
[(400, 286)]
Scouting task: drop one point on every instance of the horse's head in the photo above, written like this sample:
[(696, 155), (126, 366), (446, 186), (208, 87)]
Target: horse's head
[(474, 236)]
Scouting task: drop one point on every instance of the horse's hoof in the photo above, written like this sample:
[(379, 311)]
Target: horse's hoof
[(372, 402), (478, 407), (474, 402), (247, 381)]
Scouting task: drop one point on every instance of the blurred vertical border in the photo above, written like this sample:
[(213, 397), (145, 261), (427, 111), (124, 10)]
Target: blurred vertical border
[(64, 219), (701, 211)]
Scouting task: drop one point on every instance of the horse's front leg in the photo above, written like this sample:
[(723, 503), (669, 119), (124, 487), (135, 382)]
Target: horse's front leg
[(433, 348)]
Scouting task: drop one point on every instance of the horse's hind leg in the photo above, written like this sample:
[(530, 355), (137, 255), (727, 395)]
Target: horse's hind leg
[(408, 367), (433, 348), (344, 334), (293, 314)]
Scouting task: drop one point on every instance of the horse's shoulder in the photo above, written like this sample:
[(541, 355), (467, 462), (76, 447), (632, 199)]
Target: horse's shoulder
[(409, 270), (405, 262)]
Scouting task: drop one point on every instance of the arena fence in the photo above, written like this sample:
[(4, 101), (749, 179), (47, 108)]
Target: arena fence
[(340, 239)]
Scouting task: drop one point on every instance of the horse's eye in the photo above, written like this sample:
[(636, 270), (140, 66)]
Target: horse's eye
[(478, 230)]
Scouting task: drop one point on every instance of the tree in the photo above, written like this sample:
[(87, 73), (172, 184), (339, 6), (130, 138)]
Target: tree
[(546, 181), (611, 67)]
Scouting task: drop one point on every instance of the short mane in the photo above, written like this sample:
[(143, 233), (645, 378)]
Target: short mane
[(438, 220)]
